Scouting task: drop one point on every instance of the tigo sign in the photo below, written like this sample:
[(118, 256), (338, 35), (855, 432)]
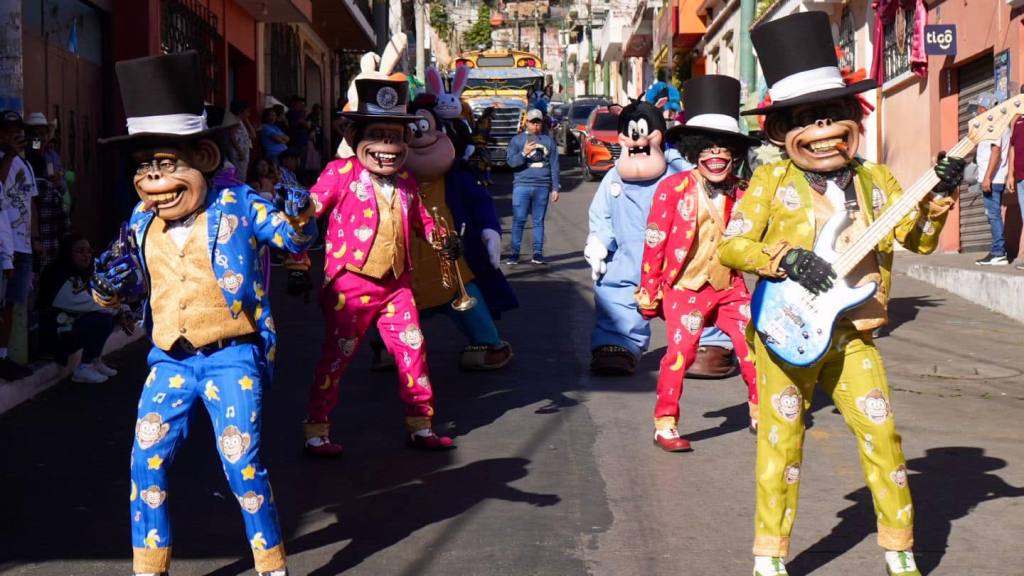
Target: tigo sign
[(940, 39)]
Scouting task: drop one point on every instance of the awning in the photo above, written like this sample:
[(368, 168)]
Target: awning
[(344, 24), (690, 26)]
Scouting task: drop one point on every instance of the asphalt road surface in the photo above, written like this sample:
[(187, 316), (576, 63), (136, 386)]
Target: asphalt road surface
[(555, 473)]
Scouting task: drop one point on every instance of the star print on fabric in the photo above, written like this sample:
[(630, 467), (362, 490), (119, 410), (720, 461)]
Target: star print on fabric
[(689, 233), (647, 267), (176, 381), (212, 392), (236, 306), (245, 383), (358, 254), (368, 213), (154, 462), (364, 299), (258, 289), (261, 213), (248, 473), (278, 241)]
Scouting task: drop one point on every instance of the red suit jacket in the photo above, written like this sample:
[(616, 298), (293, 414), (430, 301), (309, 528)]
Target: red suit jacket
[(668, 239)]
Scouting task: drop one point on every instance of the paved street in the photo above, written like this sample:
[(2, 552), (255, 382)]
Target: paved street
[(555, 473)]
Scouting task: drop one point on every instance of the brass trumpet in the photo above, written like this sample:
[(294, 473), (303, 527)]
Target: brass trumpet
[(450, 272)]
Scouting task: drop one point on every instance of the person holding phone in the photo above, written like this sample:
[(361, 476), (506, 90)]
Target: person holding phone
[(534, 158)]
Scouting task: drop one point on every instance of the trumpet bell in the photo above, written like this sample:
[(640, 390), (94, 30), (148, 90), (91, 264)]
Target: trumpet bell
[(464, 304)]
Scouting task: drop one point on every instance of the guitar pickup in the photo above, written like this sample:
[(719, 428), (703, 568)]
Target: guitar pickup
[(793, 316)]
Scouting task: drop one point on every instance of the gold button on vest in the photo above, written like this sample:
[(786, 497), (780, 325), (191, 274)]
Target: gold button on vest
[(185, 297)]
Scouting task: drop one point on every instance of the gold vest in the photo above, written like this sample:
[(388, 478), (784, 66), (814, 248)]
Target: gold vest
[(185, 298), (703, 265), (388, 251), (871, 314), (426, 280)]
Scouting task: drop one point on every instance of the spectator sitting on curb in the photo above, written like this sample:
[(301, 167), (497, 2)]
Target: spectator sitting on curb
[(69, 318)]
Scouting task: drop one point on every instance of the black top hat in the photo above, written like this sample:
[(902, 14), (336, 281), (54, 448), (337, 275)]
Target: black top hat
[(381, 101), (163, 100), (712, 106), (798, 58)]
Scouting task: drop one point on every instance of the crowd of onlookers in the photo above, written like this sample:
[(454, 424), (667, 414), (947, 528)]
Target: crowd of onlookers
[(46, 266)]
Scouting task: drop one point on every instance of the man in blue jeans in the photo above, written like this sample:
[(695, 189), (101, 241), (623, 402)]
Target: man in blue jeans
[(534, 158), (991, 159)]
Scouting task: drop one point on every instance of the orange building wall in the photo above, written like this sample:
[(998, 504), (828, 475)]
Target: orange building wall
[(980, 29)]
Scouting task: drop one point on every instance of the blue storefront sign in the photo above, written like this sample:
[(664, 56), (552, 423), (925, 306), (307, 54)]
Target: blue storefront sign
[(940, 39)]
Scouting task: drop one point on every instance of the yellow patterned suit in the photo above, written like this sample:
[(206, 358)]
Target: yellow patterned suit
[(781, 211)]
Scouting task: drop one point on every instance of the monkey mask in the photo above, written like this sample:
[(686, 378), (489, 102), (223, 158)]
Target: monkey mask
[(815, 110), (431, 152), (641, 136), (172, 145), (380, 128)]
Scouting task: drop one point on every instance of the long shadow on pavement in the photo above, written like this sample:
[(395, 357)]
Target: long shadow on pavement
[(950, 482)]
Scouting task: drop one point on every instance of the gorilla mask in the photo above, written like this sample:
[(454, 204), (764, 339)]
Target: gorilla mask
[(171, 179)]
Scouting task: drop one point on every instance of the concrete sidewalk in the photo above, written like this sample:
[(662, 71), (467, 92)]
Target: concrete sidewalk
[(998, 288), (48, 374)]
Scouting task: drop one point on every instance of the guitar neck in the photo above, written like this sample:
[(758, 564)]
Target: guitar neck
[(884, 224)]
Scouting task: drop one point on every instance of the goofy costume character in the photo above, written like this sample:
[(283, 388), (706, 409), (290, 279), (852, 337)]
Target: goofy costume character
[(195, 249), (373, 209), (681, 278), (618, 217), (816, 116)]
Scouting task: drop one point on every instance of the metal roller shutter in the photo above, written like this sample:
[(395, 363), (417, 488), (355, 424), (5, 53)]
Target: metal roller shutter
[(975, 78)]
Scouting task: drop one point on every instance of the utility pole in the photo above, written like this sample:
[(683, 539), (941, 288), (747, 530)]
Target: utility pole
[(590, 49), (748, 73), (421, 67)]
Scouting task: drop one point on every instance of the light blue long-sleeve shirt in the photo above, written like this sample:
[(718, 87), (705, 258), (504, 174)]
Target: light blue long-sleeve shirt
[(529, 172)]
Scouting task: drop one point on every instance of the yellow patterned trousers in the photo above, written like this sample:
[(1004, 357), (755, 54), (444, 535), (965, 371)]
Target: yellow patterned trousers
[(852, 373)]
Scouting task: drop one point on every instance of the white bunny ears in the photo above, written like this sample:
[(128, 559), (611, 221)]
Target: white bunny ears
[(377, 67), (435, 85)]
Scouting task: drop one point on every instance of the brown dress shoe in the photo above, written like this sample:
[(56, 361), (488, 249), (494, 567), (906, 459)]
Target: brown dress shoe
[(483, 358), (713, 362), (612, 361)]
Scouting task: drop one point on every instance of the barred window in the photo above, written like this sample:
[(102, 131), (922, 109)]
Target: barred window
[(283, 54), (847, 40), (898, 38), (190, 25)]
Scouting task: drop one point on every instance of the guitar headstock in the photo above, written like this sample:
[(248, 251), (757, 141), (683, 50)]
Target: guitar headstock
[(989, 125)]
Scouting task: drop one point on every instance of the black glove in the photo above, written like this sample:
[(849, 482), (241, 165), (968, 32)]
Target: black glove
[(950, 171), (109, 284), (808, 270), (452, 247)]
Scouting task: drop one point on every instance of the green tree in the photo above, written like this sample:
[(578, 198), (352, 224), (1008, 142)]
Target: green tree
[(439, 21), (479, 34)]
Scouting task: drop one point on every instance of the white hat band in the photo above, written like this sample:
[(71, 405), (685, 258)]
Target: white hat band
[(374, 109), (806, 82), (722, 122), (181, 124)]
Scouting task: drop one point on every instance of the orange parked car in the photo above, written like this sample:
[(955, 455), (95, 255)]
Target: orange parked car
[(599, 142)]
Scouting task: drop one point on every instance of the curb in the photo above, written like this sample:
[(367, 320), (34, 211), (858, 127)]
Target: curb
[(995, 291), (48, 374)]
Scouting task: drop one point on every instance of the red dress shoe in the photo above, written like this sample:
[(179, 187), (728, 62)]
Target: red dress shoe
[(672, 442), (433, 442), (324, 448)]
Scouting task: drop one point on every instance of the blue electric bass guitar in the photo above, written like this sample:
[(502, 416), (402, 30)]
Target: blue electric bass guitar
[(797, 325)]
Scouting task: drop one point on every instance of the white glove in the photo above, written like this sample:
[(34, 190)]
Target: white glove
[(595, 253), (492, 241)]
